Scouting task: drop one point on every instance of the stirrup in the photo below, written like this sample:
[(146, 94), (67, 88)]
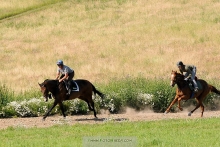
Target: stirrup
[(69, 91), (196, 90)]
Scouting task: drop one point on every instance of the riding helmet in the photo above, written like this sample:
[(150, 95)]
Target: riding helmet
[(179, 63), (59, 62)]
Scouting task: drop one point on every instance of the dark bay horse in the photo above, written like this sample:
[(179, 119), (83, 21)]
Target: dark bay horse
[(183, 92), (58, 91)]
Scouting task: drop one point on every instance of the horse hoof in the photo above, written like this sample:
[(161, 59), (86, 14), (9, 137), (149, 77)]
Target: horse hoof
[(189, 114), (165, 112), (43, 119)]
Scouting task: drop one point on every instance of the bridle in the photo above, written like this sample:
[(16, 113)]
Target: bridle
[(175, 78), (45, 91)]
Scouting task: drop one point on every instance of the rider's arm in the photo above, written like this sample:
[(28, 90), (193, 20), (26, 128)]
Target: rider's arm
[(188, 72), (57, 76), (65, 77)]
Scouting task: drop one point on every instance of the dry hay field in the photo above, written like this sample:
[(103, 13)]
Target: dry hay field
[(106, 40)]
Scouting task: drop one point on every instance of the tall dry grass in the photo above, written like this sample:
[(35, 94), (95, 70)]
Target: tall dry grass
[(104, 40)]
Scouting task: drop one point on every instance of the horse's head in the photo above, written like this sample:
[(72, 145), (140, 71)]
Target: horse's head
[(175, 78), (45, 90)]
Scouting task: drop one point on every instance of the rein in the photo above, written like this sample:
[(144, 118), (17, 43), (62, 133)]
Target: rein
[(181, 83)]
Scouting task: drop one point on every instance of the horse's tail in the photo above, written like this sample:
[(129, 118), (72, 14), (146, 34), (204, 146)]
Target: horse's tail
[(98, 92), (213, 89)]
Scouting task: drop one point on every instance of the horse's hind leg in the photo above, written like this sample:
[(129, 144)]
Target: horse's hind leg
[(93, 107), (197, 106), (90, 104), (202, 108), (199, 101), (90, 108), (200, 104)]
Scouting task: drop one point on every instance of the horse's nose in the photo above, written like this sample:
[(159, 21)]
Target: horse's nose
[(171, 83)]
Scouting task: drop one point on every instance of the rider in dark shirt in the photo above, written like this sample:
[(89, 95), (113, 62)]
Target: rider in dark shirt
[(190, 71)]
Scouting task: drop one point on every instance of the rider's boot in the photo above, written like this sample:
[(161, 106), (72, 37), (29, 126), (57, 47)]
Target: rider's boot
[(69, 88), (69, 91), (196, 89)]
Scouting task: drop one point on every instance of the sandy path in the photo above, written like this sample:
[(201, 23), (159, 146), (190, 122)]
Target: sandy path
[(130, 115)]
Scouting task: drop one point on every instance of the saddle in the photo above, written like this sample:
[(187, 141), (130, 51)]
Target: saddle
[(191, 86), (75, 86)]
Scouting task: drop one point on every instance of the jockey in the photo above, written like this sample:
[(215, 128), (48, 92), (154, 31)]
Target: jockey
[(66, 74), (190, 72)]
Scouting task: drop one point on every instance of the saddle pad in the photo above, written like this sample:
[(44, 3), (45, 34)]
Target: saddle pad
[(191, 86), (199, 85), (75, 86)]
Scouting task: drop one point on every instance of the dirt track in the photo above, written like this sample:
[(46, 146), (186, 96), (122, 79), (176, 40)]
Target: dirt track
[(130, 115)]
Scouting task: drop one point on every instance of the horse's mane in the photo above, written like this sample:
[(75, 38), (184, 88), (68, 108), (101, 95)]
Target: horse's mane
[(53, 83), (45, 81), (176, 72), (49, 80)]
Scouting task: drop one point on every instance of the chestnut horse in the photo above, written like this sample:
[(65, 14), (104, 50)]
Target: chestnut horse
[(58, 91), (183, 92)]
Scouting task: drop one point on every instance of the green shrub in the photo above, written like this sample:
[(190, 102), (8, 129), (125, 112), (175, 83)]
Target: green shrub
[(75, 106), (138, 93), (6, 96)]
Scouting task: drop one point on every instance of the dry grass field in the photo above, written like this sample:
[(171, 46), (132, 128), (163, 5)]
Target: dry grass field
[(104, 40)]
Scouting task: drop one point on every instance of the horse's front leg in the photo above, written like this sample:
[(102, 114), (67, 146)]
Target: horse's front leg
[(47, 113), (179, 100), (172, 103), (62, 109)]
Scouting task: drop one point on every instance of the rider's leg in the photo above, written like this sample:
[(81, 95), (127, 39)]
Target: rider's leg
[(69, 82), (195, 85), (69, 87), (193, 79)]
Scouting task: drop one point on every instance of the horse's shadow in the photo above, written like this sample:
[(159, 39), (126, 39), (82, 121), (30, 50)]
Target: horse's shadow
[(102, 119)]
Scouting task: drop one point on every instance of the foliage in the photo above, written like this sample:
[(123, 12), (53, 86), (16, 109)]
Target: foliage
[(137, 93), (5, 96)]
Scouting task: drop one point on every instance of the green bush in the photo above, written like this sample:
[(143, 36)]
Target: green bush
[(138, 93), (6, 96), (75, 106)]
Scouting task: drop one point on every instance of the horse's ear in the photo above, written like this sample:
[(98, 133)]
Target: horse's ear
[(41, 85)]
